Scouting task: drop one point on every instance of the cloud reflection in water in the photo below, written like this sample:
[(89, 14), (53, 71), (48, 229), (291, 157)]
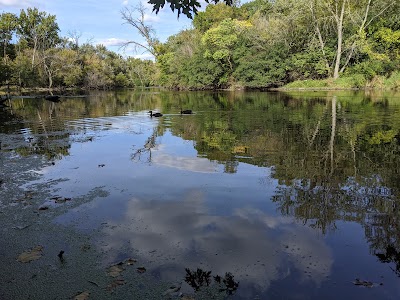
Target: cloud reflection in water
[(202, 165), (250, 244), (160, 156)]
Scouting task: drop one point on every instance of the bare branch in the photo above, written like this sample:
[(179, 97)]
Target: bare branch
[(380, 13), (144, 30), (74, 35)]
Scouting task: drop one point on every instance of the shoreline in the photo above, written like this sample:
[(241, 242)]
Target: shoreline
[(41, 92)]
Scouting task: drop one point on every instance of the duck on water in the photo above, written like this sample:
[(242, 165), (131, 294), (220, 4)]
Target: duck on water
[(186, 112), (52, 98), (157, 114)]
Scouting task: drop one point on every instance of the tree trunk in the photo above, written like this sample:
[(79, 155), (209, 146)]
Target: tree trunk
[(49, 74), (339, 22), (5, 53), (34, 52)]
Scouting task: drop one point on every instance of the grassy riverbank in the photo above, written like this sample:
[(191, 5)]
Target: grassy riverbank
[(355, 81)]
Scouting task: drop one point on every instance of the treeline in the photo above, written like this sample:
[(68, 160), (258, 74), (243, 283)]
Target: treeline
[(261, 44), (34, 55), (267, 43)]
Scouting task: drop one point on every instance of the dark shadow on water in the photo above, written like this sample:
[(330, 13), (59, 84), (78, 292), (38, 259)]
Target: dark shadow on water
[(200, 278), (391, 255)]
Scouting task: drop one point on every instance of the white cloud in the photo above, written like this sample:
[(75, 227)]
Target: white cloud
[(112, 42), (16, 3), (151, 18), (126, 2), (9, 2)]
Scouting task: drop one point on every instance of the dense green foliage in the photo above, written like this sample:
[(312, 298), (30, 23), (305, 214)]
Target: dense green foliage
[(261, 44), (41, 58), (265, 44)]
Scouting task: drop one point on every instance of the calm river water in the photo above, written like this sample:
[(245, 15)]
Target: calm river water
[(253, 196)]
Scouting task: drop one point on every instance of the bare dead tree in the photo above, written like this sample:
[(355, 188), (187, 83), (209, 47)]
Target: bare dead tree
[(144, 30), (74, 36)]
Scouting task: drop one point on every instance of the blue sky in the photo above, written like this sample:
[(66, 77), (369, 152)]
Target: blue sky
[(100, 22)]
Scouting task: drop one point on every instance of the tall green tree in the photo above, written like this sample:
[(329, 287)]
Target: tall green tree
[(142, 72), (220, 42), (214, 14), (39, 29), (350, 20), (8, 26)]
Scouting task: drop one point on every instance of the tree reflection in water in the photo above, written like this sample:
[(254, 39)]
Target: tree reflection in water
[(382, 231), (391, 255), (347, 172), (199, 278), (145, 151)]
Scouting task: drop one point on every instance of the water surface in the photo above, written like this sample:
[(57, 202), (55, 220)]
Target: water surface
[(292, 196)]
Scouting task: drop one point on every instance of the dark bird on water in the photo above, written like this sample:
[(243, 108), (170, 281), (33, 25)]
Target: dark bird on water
[(61, 255), (155, 114), (186, 112), (52, 98)]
